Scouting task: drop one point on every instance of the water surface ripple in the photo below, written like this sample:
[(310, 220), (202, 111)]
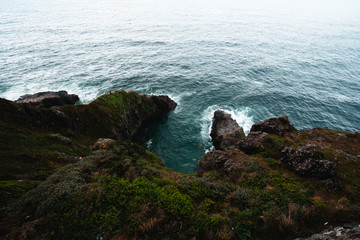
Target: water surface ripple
[(255, 60)]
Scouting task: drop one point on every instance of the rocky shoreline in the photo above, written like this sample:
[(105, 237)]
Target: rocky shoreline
[(73, 171)]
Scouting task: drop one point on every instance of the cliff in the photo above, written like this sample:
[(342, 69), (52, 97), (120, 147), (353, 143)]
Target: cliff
[(58, 180)]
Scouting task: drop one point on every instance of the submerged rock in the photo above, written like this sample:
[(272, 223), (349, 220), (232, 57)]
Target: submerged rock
[(49, 99), (225, 132), (308, 161), (275, 125)]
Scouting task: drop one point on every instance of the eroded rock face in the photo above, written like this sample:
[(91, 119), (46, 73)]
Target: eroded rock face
[(220, 160), (308, 161), (253, 142), (225, 132), (276, 125), (49, 99)]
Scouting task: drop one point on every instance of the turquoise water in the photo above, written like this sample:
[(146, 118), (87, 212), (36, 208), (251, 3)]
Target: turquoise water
[(256, 60)]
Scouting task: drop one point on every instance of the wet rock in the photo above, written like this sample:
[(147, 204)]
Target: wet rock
[(276, 125), (102, 143), (225, 132), (254, 142), (49, 99), (164, 103), (308, 161)]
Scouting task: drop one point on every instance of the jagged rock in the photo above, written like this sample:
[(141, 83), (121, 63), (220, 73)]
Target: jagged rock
[(102, 143), (276, 125), (226, 162), (308, 161), (213, 160), (253, 142), (164, 103), (225, 132), (49, 99), (347, 231)]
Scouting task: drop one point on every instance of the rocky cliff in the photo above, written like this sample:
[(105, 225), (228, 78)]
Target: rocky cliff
[(73, 172)]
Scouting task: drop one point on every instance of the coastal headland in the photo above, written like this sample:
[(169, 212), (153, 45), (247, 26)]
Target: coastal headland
[(74, 172)]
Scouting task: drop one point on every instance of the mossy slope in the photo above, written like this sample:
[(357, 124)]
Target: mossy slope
[(123, 191)]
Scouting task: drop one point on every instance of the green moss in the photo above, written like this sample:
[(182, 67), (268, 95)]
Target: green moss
[(12, 190), (272, 163)]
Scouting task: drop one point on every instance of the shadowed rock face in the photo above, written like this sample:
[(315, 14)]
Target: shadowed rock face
[(49, 99), (225, 132), (308, 161), (118, 115), (279, 126)]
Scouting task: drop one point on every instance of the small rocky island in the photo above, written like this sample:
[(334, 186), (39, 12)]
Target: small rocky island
[(74, 172)]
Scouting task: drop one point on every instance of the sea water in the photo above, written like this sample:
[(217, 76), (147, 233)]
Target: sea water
[(254, 59)]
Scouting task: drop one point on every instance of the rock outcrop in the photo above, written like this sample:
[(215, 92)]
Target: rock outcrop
[(227, 162), (118, 115), (49, 99), (225, 132), (254, 142), (275, 125), (102, 143), (349, 231), (308, 161)]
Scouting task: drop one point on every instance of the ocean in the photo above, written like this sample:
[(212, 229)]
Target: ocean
[(254, 59)]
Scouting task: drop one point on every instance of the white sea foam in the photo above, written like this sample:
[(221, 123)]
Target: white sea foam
[(240, 115)]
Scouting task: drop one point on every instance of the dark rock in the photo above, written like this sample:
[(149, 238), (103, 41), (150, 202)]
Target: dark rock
[(225, 132), (227, 162), (119, 115), (49, 99), (320, 237), (276, 125), (308, 161), (213, 160), (164, 103), (254, 142), (102, 143), (232, 166), (329, 184)]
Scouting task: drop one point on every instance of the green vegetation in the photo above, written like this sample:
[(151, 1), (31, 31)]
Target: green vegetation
[(53, 186)]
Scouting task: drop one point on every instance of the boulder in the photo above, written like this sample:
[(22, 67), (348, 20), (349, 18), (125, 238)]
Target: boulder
[(225, 132), (308, 161), (49, 99), (276, 125)]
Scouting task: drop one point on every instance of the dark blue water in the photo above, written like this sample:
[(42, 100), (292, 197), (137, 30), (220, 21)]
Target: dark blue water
[(256, 60)]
